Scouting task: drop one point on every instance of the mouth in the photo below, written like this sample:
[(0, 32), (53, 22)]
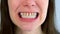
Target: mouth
[(33, 15), (28, 16)]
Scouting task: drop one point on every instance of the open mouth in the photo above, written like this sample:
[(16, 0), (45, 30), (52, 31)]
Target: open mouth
[(28, 15)]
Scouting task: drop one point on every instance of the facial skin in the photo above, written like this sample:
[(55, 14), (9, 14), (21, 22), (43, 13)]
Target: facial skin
[(28, 6)]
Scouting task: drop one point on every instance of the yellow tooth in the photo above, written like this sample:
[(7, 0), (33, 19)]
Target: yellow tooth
[(25, 14), (22, 13), (28, 14), (32, 14)]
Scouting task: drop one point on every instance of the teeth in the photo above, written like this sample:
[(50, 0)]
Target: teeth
[(28, 15)]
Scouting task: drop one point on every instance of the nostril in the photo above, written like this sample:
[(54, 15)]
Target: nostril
[(29, 5), (25, 5), (33, 5)]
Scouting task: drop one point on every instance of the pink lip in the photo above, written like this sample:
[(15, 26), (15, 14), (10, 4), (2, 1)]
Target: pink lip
[(27, 19)]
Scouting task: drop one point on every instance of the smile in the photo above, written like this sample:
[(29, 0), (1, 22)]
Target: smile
[(28, 16)]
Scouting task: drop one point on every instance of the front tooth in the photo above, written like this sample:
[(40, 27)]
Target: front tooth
[(30, 14), (26, 14)]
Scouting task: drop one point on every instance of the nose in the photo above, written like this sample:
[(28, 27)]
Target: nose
[(29, 3)]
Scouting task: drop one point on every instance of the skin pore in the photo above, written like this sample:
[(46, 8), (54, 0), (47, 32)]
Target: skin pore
[(28, 25)]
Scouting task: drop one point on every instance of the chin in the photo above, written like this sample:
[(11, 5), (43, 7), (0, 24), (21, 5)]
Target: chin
[(27, 29)]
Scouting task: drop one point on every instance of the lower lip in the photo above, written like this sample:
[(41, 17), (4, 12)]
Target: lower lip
[(28, 19)]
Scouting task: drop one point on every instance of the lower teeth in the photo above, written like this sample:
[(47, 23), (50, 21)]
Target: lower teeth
[(28, 16)]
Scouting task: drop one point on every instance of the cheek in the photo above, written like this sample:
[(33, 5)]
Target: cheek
[(43, 4), (13, 4)]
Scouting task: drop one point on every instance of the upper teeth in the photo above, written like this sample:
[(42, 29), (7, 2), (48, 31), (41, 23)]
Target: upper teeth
[(28, 15)]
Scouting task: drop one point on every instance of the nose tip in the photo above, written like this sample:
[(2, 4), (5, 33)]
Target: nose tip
[(29, 3)]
